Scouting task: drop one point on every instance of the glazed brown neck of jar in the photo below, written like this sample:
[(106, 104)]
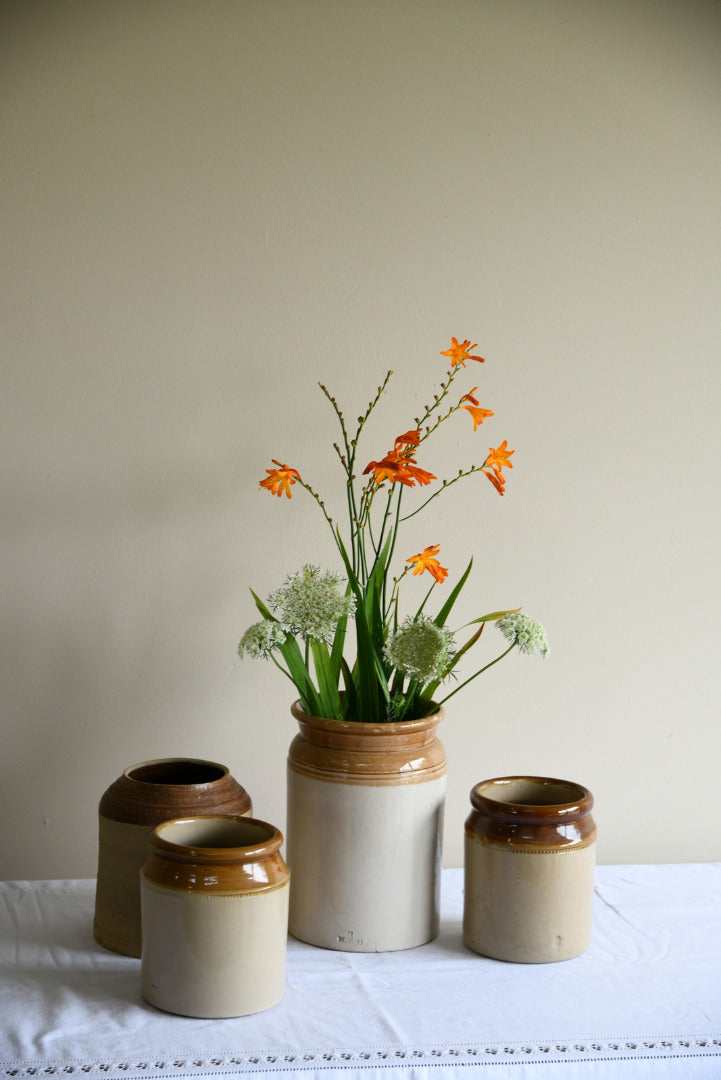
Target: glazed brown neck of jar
[(218, 852), (357, 752), (532, 810), (154, 791), (373, 738)]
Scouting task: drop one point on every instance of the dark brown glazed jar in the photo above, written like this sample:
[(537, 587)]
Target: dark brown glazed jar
[(141, 798), (529, 869)]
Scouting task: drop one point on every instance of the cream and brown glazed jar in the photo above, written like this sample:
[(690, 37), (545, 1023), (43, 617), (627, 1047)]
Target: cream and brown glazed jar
[(214, 896), (529, 869), (365, 815), (141, 798)]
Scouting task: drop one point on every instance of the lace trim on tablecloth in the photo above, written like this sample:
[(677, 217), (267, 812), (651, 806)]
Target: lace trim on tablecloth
[(488, 1055)]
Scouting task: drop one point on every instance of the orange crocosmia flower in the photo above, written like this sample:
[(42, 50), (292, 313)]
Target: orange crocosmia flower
[(497, 480), (459, 353), (398, 468), (500, 456), (427, 561), (389, 468), (411, 439), (280, 480), (419, 476), (479, 415)]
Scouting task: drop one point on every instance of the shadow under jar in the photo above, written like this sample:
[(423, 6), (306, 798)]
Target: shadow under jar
[(529, 869)]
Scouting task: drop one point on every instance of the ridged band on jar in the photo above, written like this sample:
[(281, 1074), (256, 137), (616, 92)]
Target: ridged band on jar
[(531, 814), (338, 751)]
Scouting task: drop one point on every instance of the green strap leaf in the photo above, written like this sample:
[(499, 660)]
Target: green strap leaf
[(297, 667), (440, 619), (494, 616), (367, 660)]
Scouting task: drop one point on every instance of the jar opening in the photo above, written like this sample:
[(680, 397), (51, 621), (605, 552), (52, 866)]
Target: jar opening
[(531, 798), (177, 772), (530, 791), (216, 832)]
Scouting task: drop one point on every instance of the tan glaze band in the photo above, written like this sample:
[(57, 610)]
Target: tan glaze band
[(217, 855), (531, 812), (532, 848), (156, 791), (375, 754), (202, 892)]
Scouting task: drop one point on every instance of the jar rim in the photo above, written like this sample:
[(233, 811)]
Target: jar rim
[(169, 772), (358, 727), (216, 838), (532, 798)]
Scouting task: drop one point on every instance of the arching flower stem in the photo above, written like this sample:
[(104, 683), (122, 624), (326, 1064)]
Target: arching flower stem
[(438, 398), (445, 484), (356, 516), (477, 673)]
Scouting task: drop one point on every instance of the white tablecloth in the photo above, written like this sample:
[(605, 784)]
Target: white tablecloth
[(643, 1002)]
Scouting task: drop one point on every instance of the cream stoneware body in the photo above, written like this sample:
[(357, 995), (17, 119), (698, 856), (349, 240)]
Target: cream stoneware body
[(141, 798), (529, 869), (365, 815), (214, 895)]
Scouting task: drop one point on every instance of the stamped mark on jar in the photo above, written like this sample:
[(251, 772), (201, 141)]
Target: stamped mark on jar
[(349, 938)]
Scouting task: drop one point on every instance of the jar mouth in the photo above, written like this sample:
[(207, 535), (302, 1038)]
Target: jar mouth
[(216, 837), (321, 723), (177, 772), (511, 798)]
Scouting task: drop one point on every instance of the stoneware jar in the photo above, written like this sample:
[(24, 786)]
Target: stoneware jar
[(365, 814), (133, 805), (214, 895), (529, 869)]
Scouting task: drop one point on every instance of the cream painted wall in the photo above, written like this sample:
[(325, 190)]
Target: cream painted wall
[(209, 206)]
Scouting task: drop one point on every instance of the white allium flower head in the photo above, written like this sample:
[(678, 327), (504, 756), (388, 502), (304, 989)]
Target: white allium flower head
[(311, 602), (420, 649), (261, 638), (525, 632)]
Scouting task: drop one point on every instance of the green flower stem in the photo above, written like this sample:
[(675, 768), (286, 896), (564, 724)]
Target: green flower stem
[(430, 409), (396, 525), (355, 518), (431, 428), (377, 545), (331, 524), (341, 419), (425, 599), (320, 502), (462, 474), (280, 667), (393, 602), (477, 673)]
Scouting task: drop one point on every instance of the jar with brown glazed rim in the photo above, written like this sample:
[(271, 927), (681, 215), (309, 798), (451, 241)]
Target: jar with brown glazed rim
[(365, 816), (529, 869), (214, 896), (143, 796)]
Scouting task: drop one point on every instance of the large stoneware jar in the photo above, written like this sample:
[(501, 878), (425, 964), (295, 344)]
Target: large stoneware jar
[(365, 817), (214, 896), (129, 810), (529, 869)]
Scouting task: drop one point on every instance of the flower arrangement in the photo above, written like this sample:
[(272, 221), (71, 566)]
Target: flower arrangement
[(399, 663)]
